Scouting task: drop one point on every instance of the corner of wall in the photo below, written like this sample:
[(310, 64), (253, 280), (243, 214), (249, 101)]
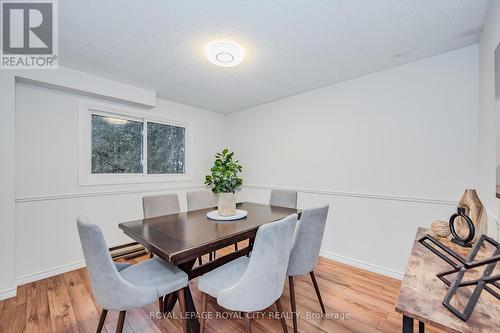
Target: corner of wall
[(7, 184)]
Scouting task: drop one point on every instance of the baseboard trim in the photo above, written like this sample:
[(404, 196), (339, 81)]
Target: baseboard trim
[(79, 264), (358, 195), (49, 272), (8, 293), (362, 264)]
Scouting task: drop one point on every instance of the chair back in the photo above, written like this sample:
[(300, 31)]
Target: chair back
[(283, 198), (158, 205), (307, 242), (200, 200), (263, 281), (104, 277)]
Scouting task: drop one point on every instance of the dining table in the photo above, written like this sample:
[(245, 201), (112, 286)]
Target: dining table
[(183, 237)]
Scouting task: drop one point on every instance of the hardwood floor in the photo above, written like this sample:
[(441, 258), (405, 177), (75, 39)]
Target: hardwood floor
[(64, 303)]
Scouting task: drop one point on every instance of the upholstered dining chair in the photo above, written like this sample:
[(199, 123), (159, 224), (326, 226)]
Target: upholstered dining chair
[(250, 284), (200, 199), (158, 205), (305, 252), (283, 198), (120, 286)]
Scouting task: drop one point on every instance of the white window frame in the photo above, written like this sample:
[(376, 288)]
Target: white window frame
[(88, 108)]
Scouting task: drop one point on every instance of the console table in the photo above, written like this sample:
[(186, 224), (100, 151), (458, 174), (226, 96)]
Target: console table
[(422, 293)]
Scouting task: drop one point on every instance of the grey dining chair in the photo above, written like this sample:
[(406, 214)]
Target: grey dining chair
[(305, 252), (120, 286), (283, 198), (202, 199), (250, 284), (158, 205)]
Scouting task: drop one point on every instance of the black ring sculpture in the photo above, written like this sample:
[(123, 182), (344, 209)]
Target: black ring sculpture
[(464, 242)]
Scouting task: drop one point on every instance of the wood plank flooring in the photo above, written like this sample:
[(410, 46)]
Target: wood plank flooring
[(64, 303)]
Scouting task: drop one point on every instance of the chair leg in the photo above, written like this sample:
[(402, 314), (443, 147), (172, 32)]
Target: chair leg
[(101, 320), (210, 256), (313, 278), (160, 304), (250, 245), (151, 255), (182, 304), (203, 312), (121, 321), (282, 315), (248, 324), (236, 246), (294, 306), (200, 261)]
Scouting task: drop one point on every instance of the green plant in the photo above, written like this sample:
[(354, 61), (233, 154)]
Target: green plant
[(224, 177)]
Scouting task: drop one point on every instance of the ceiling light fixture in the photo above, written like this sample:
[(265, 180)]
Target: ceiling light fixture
[(225, 54)]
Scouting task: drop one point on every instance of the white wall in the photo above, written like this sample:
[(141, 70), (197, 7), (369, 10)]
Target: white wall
[(47, 193), (389, 151), (7, 185), (488, 109)]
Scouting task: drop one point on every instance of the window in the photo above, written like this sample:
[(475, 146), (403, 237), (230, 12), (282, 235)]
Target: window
[(128, 146), (116, 145), (165, 148)]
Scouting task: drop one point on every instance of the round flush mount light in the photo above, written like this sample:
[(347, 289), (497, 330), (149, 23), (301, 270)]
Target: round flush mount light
[(225, 54)]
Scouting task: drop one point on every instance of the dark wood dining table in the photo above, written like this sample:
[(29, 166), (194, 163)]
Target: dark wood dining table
[(181, 238)]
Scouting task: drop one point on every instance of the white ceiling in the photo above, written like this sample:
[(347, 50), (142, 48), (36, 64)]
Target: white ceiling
[(292, 45)]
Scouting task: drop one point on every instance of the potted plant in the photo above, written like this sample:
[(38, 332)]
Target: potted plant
[(224, 180)]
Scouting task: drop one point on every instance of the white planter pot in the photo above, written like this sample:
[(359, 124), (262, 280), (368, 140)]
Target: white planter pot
[(226, 204)]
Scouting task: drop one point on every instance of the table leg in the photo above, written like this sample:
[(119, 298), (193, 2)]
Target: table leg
[(193, 325), (421, 327), (191, 313), (407, 324), (171, 299), (169, 302)]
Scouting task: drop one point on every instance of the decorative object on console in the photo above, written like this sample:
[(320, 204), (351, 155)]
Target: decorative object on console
[(224, 181), (461, 239), (441, 228), (463, 267), (474, 209)]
